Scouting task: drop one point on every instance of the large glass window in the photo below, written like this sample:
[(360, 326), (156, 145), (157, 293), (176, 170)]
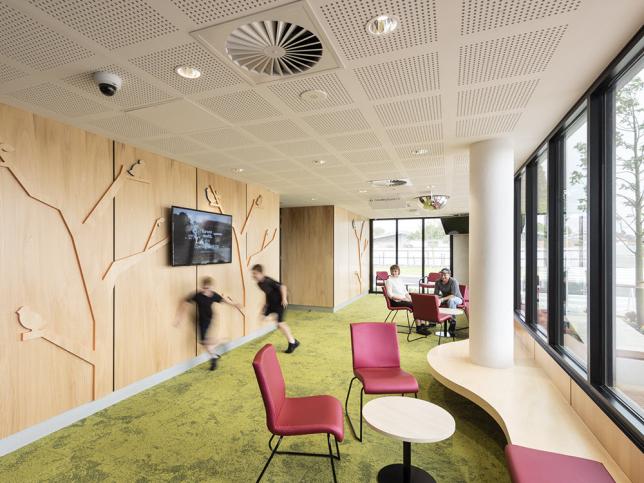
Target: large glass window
[(437, 246), (384, 246), (542, 242), (575, 241), (522, 245), (410, 250), (628, 239)]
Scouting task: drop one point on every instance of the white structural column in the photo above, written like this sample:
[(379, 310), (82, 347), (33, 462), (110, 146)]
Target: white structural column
[(491, 253)]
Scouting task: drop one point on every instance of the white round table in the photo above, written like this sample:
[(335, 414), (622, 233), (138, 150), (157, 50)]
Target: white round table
[(409, 420), (448, 311)]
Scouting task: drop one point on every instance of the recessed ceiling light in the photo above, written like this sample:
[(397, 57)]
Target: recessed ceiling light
[(362, 191), (237, 170), (187, 72), (312, 199), (382, 25), (319, 162), (420, 151), (314, 95)]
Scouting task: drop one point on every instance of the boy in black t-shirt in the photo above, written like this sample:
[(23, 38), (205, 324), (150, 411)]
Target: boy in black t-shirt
[(204, 299), (276, 303)]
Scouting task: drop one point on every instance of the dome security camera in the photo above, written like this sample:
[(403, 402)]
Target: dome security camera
[(108, 83)]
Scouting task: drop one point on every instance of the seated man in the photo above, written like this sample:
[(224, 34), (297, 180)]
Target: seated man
[(450, 295), (399, 297)]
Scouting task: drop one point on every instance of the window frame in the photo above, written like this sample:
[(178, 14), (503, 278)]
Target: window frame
[(596, 379)]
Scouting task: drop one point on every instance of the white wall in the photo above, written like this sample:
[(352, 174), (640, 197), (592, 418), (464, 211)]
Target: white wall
[(461, 258)]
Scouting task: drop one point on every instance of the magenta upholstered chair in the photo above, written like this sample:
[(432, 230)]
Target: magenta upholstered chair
[(427, 307), (428, 281), (381, 277), (376, 363), (529, 465), (295, 416), (392, 309)]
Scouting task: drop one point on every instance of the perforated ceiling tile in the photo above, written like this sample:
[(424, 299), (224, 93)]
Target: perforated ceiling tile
[(480, 15), (461, 163), (399, 77), (214, 73), (214, 158), (433, 149), (175, 145), (416, 134), (27, 41), (519, 54), (487, 125), (128, 127), (215, 11), (253, 154), (337, 122), (240, 106), (413, 111), (500, 97), (367, 156), (352, 142), (8, 73), (278, 166), (424, 163), (111, 23), (289, 92), (348, 19), (223, 138), (59, 100), (135, 92), (274, 131), (301, 148)]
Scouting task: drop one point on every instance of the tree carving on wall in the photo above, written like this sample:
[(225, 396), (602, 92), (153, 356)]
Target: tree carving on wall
[(361, 244), (37, 326), (215, 201)]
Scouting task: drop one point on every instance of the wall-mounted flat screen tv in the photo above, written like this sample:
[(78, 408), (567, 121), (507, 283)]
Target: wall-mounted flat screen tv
[(200, 237), (456, 225)]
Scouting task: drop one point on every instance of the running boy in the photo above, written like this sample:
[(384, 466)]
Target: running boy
[(204, 299), (276, 303)]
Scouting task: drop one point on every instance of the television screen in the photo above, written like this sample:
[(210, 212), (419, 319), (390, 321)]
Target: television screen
[(200, 237), (456, 225)]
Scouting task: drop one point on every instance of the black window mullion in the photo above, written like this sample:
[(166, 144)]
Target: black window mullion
[(517, 243), (372, 288), (556, 174), (396, 258), (531, 244), (422, 250)]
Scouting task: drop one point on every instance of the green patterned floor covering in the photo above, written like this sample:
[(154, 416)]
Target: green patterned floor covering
[(210, 426)]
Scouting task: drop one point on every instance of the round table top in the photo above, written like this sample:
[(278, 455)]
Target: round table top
[(409, 419), (448, 311)]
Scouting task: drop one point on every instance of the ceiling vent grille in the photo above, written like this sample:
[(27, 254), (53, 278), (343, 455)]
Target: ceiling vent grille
[(273, 47), (389, 183)]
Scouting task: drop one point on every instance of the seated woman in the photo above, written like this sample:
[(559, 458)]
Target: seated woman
[(399, 297)]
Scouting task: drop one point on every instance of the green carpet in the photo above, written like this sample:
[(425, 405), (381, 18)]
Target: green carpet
[(210, 426)]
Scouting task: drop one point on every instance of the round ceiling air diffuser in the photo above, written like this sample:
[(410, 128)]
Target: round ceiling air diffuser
[(387, 183), (273, 47)]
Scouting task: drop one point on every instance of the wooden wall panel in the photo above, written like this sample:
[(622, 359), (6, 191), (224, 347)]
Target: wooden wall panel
[(52, 268), (346, 259), (265, 219), (307, 254), (228, 280), (149, 293)]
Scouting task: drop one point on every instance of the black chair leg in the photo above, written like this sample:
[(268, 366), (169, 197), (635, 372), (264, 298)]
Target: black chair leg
[(331, 457), (270, 457), (346, 411)]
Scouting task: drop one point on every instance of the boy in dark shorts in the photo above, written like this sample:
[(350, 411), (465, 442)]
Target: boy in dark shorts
[(276, 303), (204, 299)]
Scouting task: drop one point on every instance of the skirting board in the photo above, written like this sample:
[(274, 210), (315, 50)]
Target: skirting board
[(315, 308), (40, 430)]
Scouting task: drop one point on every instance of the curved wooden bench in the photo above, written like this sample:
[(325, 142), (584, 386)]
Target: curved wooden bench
[(523, 400)]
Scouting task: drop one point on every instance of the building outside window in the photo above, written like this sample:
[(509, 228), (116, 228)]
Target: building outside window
[(542, 243)]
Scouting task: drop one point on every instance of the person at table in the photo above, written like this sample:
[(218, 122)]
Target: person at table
[(447, 289), (399, 297)]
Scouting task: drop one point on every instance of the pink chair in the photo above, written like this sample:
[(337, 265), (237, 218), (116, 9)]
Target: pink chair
[(376, 363), (428, 281), (295, 416), (381, 278), (427, 308), (466, 300), (393, 309)]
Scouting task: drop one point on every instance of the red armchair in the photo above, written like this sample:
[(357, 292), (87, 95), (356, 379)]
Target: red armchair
[(381, 278), (466, 300), (376, 363), (294, 416), (393, 309), (427, 308), (428, 281)]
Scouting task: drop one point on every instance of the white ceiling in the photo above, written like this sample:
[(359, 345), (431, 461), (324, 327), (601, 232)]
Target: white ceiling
[(453, 73)]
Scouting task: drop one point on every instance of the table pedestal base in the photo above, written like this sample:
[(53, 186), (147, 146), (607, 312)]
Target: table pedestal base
[(395, 473)]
